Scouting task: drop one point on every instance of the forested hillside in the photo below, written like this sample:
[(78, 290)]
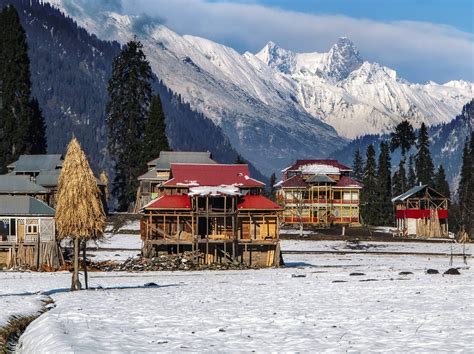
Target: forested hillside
[(446, 144)]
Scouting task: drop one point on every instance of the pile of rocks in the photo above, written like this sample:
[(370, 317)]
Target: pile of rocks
[(184, 261)]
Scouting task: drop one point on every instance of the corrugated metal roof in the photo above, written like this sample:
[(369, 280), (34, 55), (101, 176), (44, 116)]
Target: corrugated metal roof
[(19, 184), (166, 158), (11, 205), (295, 181), (193, 175), (347, 182), (170, 202), (33, 163), (48, 178), (409, 193), (320, 179), (257, 202)]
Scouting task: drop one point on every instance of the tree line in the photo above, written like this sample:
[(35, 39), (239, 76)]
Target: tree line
[(380, 185)]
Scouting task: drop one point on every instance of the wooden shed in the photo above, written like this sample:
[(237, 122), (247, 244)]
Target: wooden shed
[(422, 212)]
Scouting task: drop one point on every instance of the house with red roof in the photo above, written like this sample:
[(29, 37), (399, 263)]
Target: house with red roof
[(217, 212), (319, 192)]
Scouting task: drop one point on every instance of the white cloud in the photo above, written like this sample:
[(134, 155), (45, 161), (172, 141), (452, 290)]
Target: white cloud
[(419, 51)]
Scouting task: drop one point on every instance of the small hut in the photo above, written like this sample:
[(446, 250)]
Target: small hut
[(27, 233), (421, 212)]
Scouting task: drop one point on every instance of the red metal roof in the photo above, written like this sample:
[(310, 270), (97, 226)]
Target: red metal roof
[(170, 202), (294, 182), (334, 163), (193, 175), (348, 182), (257, 202)]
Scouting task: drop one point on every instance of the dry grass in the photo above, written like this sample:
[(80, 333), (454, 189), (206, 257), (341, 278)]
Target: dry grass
[(79, 210)]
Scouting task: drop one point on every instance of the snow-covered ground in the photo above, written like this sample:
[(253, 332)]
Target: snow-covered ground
[(375, 246), (312, 305)]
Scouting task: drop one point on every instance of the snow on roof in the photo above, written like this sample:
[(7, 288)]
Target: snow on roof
[(211, 175), (319, 169), (214, 191), (300, 165)]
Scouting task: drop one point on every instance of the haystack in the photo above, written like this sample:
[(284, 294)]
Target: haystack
[(79, 210)]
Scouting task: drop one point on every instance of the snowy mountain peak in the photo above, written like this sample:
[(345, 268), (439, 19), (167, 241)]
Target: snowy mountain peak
[(342, 59), (278, 58)]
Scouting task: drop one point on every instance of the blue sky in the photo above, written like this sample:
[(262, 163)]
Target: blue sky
[(421, 39), (456, 13)]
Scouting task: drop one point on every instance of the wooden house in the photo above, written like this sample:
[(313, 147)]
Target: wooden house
[(217, 210), (27, 233), (319, 192), (422, 212), (159, 171), (40, 170), (43, 170)]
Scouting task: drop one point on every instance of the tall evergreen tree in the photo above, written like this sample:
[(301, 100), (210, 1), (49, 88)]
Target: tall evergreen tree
[(127, 112), (155, 139), (384, 188), (466, 188), (358, 166), (399, 180), (411, 178), (37, 134), (17, 111), (403, 137), (423, 162), (272, 186), (440, 184), (368, 196)]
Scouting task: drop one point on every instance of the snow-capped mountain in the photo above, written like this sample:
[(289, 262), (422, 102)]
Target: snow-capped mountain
[(278, 105), (357, 97), (253, 104)]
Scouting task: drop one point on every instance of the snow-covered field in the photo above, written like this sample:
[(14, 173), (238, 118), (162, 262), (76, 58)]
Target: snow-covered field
[(312, 305)]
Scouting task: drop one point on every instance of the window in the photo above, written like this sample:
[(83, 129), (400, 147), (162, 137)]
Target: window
[(32, 229)]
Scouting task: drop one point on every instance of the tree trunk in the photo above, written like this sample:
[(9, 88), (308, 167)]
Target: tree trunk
[(301, 229), (76, 284), (84, 263)]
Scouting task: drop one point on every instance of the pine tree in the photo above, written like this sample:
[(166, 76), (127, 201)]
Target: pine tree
[(403, 137), (423, 163), (411, 179), (127, 112), (358, 166), (15, 90), (384, 188), (399, 180), (368, 196), (466, 188), (272, 186), (440, 184), (155, 139), (37, 135)]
